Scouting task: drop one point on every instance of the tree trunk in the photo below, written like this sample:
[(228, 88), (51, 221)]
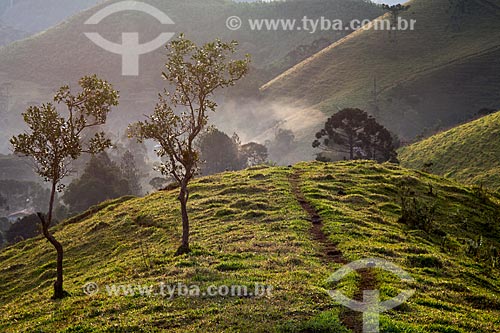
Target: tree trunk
[(183, 198), (46, 222)]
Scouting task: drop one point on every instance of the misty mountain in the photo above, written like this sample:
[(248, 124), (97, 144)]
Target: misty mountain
[(33, 16), (34, 68), (9, 35), (437, 75)]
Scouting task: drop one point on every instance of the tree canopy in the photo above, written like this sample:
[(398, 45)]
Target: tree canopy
[(354, 132)]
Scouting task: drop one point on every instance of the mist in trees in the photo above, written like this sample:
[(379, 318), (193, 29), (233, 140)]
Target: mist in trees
[(220, 153), (281, 145), (101, 180)]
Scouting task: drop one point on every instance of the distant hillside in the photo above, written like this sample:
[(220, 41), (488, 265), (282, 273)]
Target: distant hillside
[(35, 67), (469, 153), (34, 16), (9, 35), (440, 73), (248, 227)]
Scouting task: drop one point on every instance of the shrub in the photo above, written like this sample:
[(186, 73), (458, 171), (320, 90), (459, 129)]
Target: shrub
[(416, 213)]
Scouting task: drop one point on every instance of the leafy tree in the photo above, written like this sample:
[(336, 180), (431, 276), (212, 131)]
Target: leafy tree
[(195, 72), (378, 142), (283, 143), (254, 153), (53, 141), (218, 153), (131, 173), (101, 180), (354, 132)]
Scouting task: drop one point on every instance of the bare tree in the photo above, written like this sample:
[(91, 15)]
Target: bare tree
[(181, 115)]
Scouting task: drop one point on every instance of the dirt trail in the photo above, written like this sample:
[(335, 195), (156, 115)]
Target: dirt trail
[(330, 253)]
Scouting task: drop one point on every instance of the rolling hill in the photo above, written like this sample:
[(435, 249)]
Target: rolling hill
[(468, 153), (23, 18), (254, 226), (35, 67), (440, 73)]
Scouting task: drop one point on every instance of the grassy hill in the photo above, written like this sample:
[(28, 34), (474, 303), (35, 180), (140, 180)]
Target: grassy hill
[(36, 67), (443, 71), (253, 227), (469, 153)]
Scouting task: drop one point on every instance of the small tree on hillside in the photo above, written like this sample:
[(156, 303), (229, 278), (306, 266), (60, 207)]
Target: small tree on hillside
[(54, 141), (395, 11), (254, 153), (196, 73), (354, 132)]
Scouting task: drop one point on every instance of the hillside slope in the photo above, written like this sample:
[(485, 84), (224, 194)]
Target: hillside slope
[(469, 153), (34, 16), (249, 227), (443, 71)]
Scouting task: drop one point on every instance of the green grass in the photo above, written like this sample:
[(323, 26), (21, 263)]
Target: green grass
[(247, 228), (469, 153)]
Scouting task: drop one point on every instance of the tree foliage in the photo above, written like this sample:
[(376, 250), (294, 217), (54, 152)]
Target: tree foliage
[(195, 72), (354, 132), (101, 180), (282, 144), (254, 153), (53, 141), (219, 153)]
